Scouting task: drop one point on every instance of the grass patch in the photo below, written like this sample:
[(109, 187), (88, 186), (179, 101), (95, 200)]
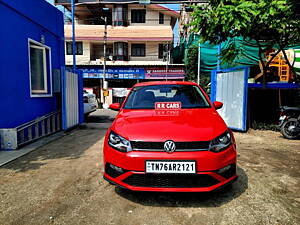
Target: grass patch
[(265, 126)]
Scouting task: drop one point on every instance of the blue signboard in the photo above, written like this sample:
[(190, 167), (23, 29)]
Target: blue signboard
[(114, 73)]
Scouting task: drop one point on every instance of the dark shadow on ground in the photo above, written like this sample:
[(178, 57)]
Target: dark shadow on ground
[(101, 116), (212, 199), (98, 119), (71, 146)]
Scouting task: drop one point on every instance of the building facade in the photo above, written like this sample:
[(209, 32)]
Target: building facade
[(138, 41), (33, 47)]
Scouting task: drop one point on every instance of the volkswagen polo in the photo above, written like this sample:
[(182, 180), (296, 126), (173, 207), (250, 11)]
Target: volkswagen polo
[(169, 137)]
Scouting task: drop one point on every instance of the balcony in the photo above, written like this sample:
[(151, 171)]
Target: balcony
[(112, 61), (130, 33)]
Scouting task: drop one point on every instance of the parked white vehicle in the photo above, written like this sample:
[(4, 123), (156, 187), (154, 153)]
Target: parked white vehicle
[(89, 102)]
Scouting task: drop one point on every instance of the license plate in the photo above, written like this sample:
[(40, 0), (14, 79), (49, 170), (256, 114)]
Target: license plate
[(170, 167)]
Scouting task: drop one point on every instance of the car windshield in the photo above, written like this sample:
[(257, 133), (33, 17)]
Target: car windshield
[(147, 97)]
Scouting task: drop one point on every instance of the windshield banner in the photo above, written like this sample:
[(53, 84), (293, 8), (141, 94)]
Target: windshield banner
[(167, 105)]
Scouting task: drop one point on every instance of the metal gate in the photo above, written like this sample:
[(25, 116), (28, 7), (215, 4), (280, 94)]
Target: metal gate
[(72, 110), (231, 87)]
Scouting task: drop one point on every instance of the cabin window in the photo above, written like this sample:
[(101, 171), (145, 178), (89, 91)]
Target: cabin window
[(40, 69)]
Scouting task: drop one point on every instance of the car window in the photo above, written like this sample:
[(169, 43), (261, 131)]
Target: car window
[(145, 97)]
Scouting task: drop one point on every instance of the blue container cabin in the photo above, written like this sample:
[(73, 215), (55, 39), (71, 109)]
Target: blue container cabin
[(31, 62)]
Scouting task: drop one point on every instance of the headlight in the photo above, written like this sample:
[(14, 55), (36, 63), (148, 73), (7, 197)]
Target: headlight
[(119, 143), (221, 143)]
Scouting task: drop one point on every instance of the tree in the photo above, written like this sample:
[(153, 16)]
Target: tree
[(270, 23), (191, 63)]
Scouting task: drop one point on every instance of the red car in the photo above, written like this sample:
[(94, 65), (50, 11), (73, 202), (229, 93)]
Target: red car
[(169, 137)]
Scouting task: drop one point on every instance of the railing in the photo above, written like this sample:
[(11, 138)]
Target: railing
[(31, 131), (38, 128), (126, 58)]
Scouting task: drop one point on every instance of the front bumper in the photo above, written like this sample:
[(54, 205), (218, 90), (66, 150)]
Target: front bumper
[(133, 176)]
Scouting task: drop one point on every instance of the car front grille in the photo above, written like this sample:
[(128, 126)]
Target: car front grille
[(170, 180), (180, 146)]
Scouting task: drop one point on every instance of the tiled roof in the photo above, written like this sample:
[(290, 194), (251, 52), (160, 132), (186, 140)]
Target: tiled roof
[(134, 33)]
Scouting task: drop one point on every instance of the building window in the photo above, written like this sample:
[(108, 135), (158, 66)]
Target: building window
[(138, 50), (120, 15), (121, 51), (40, 68), (79, 48), (161, 18), (138, 16), (160, 51)]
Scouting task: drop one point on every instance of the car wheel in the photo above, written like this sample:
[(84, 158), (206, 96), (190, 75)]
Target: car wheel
[(288, 128)]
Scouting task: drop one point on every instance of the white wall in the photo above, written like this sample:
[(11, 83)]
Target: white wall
[(152, 17), (80, 59), (151, 53)]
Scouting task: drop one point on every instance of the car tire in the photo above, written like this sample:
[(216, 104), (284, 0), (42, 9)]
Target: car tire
[(285, 129)]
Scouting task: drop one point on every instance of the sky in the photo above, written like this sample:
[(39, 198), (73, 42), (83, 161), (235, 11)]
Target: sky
[(175, 7)]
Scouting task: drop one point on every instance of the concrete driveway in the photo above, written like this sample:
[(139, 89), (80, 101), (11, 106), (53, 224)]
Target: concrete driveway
[(61, 183)]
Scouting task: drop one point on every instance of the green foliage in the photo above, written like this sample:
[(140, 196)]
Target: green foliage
[(265, 21), (191, 69), (191, 63), (230, 53), (205, 81), (264, 126)]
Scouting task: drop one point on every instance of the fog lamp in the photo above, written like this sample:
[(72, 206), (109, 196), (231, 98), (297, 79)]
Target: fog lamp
[(116, 168), (224, 169)]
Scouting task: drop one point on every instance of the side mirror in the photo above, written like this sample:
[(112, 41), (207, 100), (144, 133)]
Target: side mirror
[(218, 105), (115, 106)]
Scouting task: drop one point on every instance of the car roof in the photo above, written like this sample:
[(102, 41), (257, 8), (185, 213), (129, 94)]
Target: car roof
[(150, 83)]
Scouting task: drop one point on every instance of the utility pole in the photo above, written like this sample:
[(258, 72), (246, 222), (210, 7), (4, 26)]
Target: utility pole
[(104, 63), (73, 36), (103, 84)]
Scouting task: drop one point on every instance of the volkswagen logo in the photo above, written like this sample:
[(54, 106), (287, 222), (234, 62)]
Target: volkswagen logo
[(169, 146)]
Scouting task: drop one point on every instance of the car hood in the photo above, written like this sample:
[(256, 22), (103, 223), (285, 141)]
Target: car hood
[(161, 125)]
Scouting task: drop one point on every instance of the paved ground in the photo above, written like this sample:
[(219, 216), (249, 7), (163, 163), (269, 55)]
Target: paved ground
[(61, 183)]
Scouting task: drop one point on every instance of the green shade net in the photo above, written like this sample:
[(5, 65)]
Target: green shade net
[(249, 53)]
